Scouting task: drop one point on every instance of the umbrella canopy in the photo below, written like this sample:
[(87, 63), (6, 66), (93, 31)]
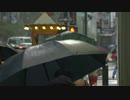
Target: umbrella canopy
[(37, 64), (71, 35), (6, 51)]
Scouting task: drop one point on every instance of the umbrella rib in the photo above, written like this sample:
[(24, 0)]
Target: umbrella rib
[(44, 66)]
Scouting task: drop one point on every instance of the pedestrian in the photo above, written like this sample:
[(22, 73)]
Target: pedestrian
[(115, 68), (81, 82), (65, 78), (61, 80), (114, 72), (1, 61)]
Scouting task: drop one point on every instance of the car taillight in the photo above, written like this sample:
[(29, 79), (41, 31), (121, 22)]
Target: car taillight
[(20, 47)]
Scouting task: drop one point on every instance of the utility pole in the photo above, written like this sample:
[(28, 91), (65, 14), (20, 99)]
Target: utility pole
[(105, 68), (66, 15), (101, 26), (86, 23), (18, 16), (10, 19)]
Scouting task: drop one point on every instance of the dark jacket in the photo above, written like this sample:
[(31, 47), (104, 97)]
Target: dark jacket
[(61, 81)]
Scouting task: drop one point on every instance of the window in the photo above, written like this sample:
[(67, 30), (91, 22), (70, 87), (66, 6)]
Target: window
[(27, 40), (19, 41), (12, 41)]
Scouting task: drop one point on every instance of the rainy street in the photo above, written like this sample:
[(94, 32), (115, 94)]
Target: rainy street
[(34, 46)]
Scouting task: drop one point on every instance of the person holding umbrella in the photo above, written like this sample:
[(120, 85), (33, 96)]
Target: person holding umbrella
[(61, 80), (65, 78), (1, 58), (114, 73)]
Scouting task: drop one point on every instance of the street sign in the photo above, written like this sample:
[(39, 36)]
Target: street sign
[(64, 19)]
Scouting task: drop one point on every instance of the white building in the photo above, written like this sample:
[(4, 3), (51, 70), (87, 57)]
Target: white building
[(92, 23)]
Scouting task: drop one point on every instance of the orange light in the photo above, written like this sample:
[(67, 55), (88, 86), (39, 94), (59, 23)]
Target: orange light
[(72, 29), (20, 47)]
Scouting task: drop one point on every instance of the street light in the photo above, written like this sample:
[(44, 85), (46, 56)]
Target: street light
[(36, 27), (26, 28), (43, 27), (73, 29)]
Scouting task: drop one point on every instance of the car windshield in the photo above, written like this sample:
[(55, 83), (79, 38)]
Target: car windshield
[(19, 41), (27, 40)]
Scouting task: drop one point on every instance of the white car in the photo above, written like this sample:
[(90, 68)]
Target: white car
[(20, 42)]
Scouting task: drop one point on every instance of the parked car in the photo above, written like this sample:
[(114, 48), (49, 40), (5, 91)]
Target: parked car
[(20, 42)]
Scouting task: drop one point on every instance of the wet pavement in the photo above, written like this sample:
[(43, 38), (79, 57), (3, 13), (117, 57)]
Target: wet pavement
[(112, 82)]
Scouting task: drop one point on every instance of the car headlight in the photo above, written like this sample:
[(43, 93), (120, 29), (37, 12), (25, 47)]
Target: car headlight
[(12, 45)]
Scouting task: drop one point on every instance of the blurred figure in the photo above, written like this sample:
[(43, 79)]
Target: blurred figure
[(64, 78), (1, 58), (93, 76), (114, 72), (61, 80), (81, 82), (114, 56)]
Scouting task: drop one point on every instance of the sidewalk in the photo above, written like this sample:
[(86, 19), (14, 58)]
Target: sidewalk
[(112, 82)]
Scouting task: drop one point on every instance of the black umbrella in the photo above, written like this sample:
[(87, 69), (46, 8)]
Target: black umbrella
[(71, 35), (37, 64), (6, 51)]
